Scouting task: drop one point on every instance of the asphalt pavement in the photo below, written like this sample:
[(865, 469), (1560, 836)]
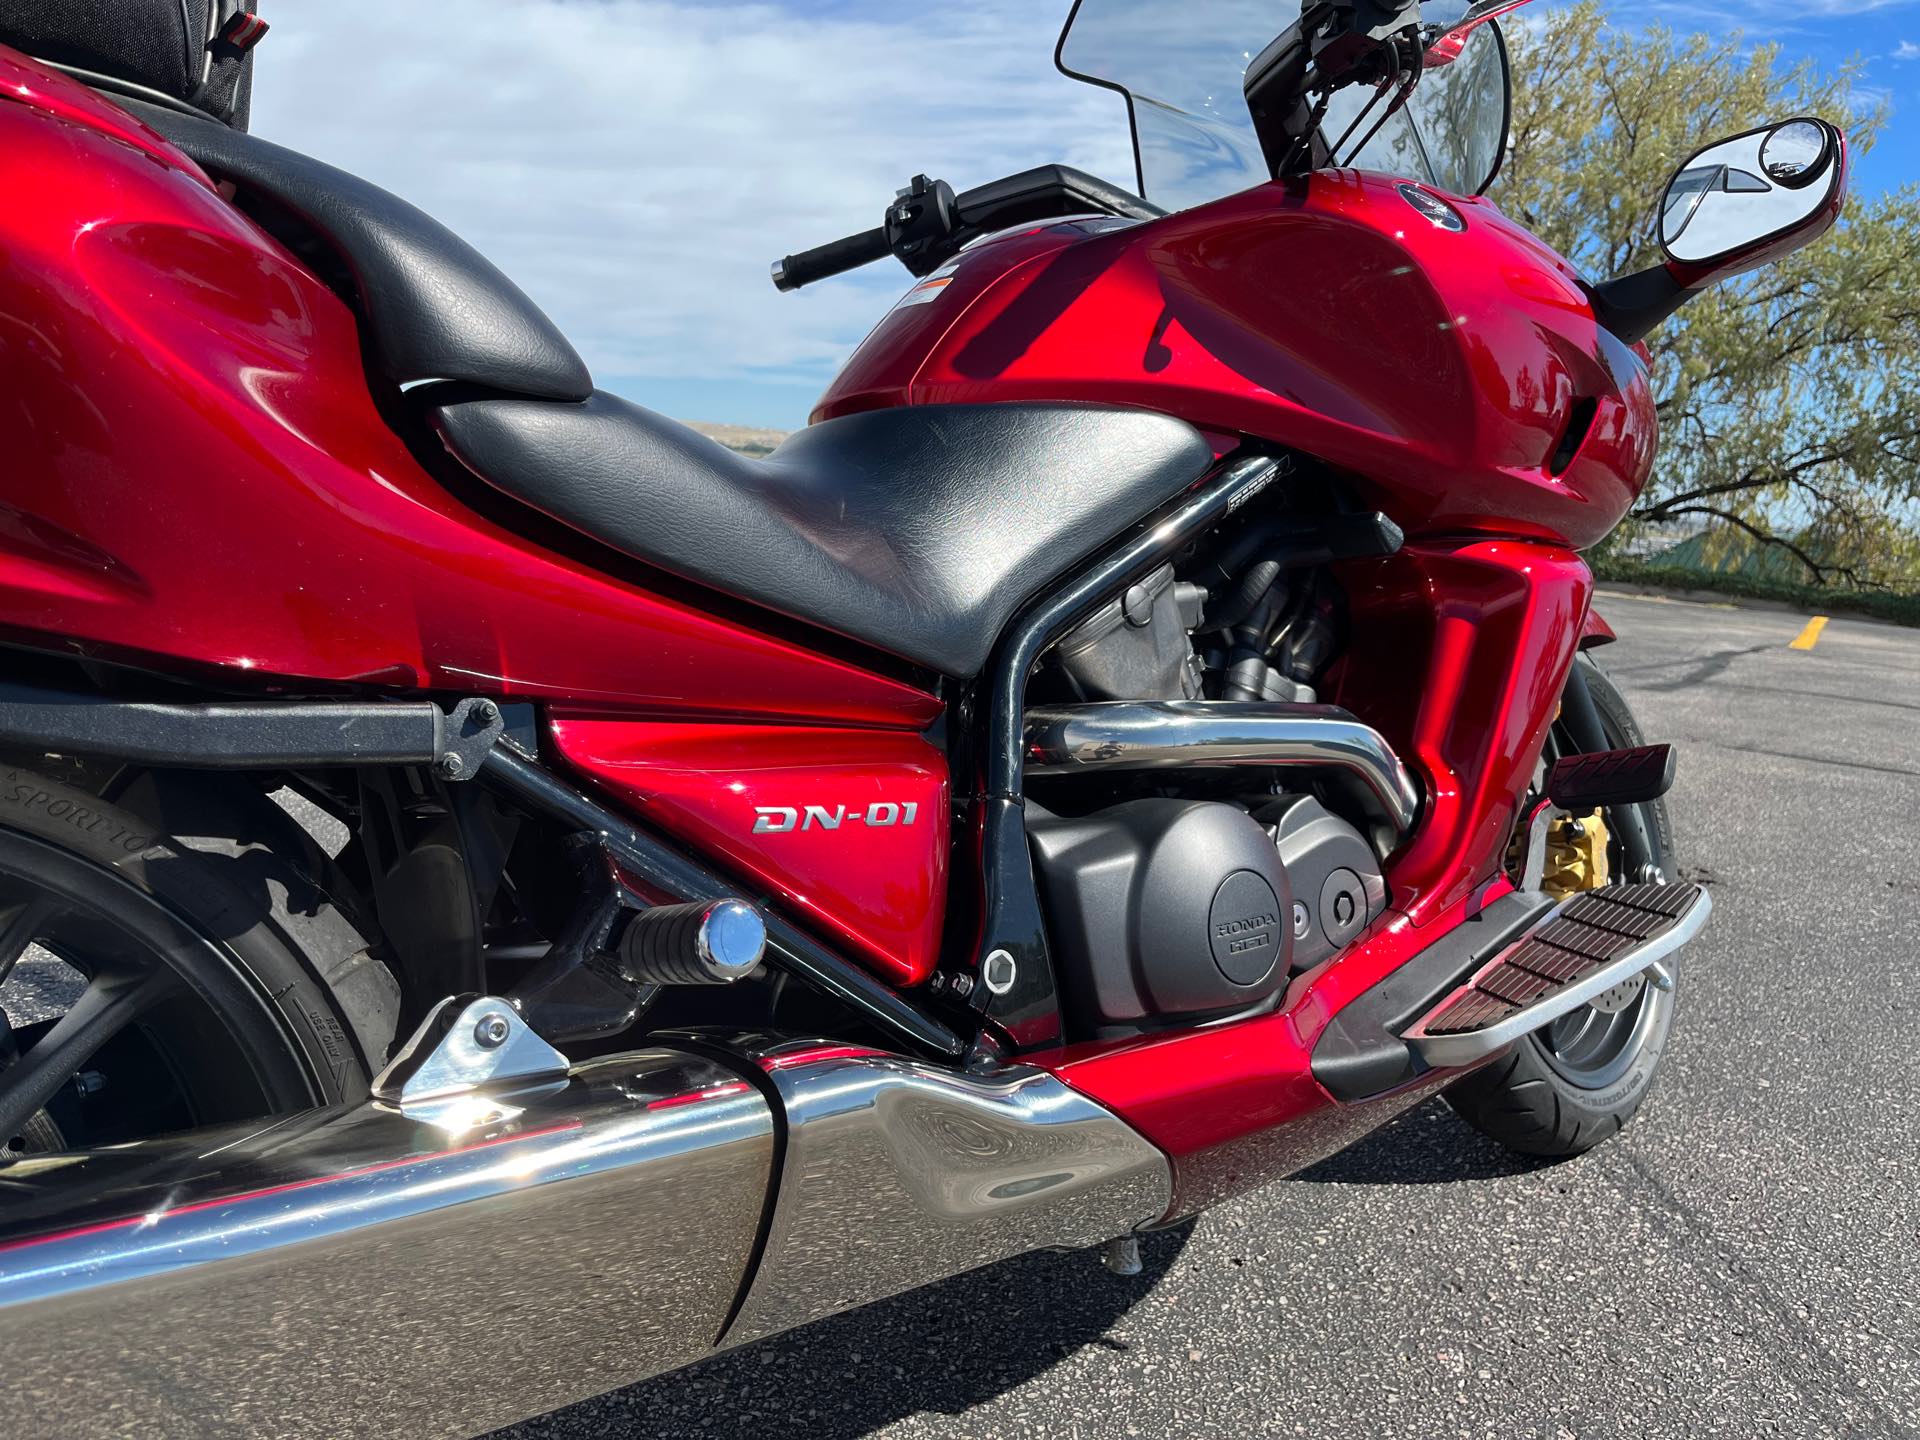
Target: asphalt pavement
[(1744, 1259)]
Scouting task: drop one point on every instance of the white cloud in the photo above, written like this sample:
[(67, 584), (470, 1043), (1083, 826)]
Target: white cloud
[(1770, 19), (1906, 50), (637, 164)]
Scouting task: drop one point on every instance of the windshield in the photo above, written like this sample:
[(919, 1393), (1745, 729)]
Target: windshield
[(1182, 67)]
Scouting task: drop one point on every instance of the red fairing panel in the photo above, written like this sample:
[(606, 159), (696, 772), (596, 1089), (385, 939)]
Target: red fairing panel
[(1468, 648), (1235, 1106), (1491, 629), (847, 827), (1443, 369), (195, 474)]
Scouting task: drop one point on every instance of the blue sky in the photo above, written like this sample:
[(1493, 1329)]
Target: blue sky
[(637, 164)]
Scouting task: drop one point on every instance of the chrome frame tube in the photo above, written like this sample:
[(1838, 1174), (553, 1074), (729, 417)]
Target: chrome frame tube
[(1209, 503), (1177, 734)]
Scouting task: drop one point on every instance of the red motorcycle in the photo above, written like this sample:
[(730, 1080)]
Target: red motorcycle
[(489, 873)]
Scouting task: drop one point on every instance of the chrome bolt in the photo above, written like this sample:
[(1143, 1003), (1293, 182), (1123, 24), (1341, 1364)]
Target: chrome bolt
[(450, 765), (998, 972), (1302, 921), (484, 713), (490, 1031)]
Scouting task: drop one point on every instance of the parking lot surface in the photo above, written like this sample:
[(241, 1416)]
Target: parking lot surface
[(1743, 1260)]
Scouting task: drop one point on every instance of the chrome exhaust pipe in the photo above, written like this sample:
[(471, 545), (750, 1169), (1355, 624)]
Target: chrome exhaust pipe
[(358, 1270), (1174, 734), (486, 1240)]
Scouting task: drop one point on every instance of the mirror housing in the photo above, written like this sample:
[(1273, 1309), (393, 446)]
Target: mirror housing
[(1753, 198), (1736, 205)]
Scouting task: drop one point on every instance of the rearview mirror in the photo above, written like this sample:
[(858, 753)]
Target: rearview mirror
[(1742, 202)]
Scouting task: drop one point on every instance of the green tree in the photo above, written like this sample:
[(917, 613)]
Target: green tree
[(1789, 399)]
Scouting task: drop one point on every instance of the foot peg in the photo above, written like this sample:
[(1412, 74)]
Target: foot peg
[(707, 942), (1582, 949), (1581, 783), (615, 952)]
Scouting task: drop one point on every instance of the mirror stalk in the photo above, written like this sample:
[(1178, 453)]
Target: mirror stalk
[(1634, 306)]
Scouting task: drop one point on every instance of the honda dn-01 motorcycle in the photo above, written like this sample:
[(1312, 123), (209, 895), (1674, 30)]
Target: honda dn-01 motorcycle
[(1136, 741)]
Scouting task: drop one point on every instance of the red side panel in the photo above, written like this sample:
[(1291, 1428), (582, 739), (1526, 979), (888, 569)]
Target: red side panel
[(1467, 652), (193, 473), (848, 827)]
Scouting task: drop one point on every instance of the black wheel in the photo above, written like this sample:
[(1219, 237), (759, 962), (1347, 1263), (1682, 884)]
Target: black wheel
[(171, 958), (1576, 1082)]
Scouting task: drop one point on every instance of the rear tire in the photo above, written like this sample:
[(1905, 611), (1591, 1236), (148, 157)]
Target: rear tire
[(1540, 1101), (273, 999)]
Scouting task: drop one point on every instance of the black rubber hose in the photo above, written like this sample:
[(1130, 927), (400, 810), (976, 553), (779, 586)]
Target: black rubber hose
[(1247, 592)]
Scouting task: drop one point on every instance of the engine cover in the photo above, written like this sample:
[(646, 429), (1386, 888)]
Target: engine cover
[(1162, 907)]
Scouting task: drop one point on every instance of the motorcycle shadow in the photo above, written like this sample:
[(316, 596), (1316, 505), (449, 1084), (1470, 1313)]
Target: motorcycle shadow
[(1428, 1145), (938, 1350)]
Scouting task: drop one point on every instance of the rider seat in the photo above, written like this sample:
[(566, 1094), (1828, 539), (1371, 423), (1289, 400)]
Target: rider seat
[(918, 531)]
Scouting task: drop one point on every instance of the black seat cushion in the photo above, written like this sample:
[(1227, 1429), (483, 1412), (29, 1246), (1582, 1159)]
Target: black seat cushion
[(434, 307), (919, 530)]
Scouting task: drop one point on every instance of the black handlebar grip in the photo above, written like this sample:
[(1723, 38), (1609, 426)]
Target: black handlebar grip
[(834, 258)]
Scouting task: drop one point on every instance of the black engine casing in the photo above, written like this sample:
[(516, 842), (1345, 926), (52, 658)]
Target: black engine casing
[(1162, 907)]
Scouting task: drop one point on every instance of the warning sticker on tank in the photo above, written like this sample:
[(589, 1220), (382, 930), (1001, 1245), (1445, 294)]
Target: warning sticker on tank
[(929, 289), (926, 291)]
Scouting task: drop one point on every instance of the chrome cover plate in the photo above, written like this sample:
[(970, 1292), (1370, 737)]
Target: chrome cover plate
[(457, 1050), (899, 1174)]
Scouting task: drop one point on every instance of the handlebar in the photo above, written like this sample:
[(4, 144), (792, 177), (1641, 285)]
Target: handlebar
[(927, 233), (836, 257)]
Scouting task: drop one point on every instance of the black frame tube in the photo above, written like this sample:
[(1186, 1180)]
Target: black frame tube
[(1040, 626), (249, 735), (1010, 919), (660, 865)]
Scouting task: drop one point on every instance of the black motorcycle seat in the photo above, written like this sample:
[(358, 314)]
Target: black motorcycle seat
[(919, 531), (433, 307)]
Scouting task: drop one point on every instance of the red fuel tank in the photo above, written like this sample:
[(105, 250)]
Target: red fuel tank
[(1426, 344)]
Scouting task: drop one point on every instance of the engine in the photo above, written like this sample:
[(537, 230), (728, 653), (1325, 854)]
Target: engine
[(1173, 893)]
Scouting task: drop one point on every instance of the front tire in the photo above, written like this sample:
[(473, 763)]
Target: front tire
[(1565, 1088)]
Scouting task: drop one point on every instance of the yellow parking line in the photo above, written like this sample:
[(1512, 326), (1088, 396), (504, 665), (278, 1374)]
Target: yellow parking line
[(1810, 636)]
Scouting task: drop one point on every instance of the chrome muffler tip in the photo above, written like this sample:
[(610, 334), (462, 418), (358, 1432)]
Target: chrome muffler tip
[(385, 1267)]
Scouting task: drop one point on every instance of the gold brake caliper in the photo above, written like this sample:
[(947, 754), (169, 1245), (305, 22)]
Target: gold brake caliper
[(1576, 855)]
